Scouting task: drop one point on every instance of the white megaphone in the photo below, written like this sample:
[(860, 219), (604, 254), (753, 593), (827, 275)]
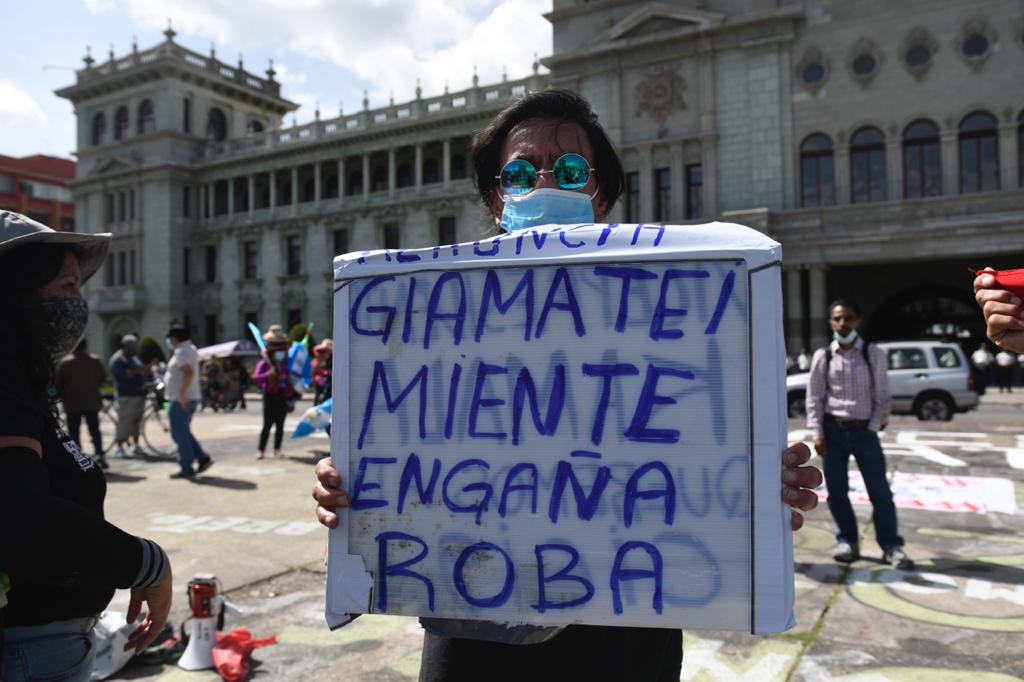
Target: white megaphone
[(206, 607)]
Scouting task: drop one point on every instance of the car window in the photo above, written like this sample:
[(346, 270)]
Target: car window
[(907, 358), (946, 357)]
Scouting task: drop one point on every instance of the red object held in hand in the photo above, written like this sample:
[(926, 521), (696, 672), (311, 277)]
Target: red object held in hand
[(1011, 280)]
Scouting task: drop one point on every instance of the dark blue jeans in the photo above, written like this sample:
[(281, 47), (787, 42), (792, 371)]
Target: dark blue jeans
[(189, 449), (840, 443)]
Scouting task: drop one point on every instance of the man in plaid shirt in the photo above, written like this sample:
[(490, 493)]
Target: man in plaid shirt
[(847, 405)]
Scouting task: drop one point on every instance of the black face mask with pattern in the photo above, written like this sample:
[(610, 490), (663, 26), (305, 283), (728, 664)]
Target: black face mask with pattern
[(65, 326)]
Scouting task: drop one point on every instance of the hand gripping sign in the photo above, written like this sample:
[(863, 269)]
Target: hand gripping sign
[(572, 424)]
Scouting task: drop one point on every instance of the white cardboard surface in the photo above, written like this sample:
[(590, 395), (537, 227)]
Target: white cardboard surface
[(690, 449)]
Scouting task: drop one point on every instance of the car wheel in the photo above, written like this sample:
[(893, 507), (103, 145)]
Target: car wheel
[(934, 407), (796, 404)]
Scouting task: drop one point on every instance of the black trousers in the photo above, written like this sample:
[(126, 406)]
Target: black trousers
[(580, 652), (92, 421), (274, 410)]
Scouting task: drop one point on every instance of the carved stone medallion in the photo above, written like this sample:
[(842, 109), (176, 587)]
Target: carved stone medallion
[(660, 93)]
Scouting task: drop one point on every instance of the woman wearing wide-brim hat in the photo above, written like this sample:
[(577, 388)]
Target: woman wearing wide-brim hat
[(60, 561), (274, 380), (323, 360)]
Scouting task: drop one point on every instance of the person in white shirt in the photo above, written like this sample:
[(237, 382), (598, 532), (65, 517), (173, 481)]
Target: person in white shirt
[(181, 387), (1005, 362), (803, 361), (982, 359)]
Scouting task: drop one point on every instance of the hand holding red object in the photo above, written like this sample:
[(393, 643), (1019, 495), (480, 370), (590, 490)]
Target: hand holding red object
[(999, 293)]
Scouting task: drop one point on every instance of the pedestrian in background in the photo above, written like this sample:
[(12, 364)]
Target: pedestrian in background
[(62, 560), (803, 361), (1005, 364), (323, 364), (181, 386), (847, 405), (982, 360), (80, 379), (130, 378), (274, 380)]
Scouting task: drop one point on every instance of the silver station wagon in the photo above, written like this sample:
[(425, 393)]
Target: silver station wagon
[(931, 379)]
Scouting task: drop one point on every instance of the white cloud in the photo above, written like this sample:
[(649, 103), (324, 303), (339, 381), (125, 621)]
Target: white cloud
[(385, 43), (18, 108)]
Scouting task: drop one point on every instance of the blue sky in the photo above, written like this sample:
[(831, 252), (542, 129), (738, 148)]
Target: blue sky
[(324, 50)]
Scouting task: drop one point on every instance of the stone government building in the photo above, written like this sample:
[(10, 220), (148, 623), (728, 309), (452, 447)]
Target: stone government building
[(882, 143)]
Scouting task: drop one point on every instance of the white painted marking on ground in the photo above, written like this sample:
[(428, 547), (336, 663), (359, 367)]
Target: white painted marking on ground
[(186, 523), (984, 589), (932, 492)]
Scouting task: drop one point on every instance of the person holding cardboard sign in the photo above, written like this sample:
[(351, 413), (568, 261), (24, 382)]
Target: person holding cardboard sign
[(546, 160)]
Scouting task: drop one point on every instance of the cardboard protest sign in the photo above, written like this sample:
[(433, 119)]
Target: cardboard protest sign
[(574, 424)]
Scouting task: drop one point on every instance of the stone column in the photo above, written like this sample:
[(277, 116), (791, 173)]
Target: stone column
[(252, 192), (391, 172), (231, 196), (295, 186), (950, 163), (794, 310), (646, 185), (894, 168), (675, 164), (273, 188), (447, 162), (210, 201), (419, 167), (366, 177), (841, 174), (1008, 167), (709, 173), (817, 313), (317, 190)]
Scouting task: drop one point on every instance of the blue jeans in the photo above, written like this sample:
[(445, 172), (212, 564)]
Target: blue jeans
[(189, 449), (62, 651), (867, 450)]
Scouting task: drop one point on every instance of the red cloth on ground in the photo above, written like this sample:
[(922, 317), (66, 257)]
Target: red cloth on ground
[(231, 653)]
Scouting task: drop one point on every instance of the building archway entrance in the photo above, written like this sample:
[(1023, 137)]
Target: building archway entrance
[(928, 311)]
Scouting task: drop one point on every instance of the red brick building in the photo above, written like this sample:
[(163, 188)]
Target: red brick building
[(37, 186)]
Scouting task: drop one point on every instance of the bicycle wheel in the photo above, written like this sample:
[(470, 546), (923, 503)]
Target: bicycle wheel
[(156, 432), (109, 411)]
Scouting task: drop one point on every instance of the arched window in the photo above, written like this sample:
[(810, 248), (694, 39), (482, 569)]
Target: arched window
[(99, 128), (817, 184), (254, 126), (121, 123), (922, 160), (147, 120), (979, 153), (867, 165), (216, 125)]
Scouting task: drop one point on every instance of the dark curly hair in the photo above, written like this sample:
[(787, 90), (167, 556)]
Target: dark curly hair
[(26, 368), (559, 105)]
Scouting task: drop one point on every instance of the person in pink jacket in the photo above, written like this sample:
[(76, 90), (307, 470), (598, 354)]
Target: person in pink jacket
[(273, 379)]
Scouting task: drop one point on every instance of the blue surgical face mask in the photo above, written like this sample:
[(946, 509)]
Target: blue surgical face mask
[(547, 206), (845, 340), (279, 355), (167, 342)]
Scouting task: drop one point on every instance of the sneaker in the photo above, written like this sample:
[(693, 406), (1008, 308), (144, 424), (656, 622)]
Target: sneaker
[(203, 466), (119, 453), (102, 461), (845, 552), (138, 451), (260, 454), (187, 475), (898, 559), (277, 453)]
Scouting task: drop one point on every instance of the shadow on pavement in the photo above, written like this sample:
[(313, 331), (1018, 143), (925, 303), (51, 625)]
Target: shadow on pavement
[(960, 568), (122, 478), (219, 482)]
